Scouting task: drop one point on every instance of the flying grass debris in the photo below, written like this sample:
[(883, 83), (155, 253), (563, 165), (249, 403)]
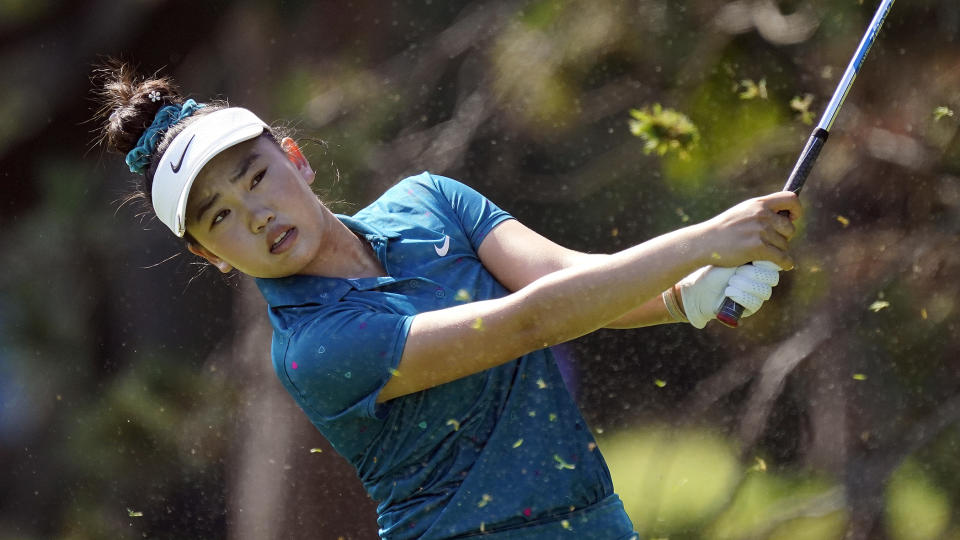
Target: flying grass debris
[(316, 450), (134, 513), (759, 465), (664, 130), (843, 221), (561, 464), (859, 377), (753, 90), (802, 106), (940, 112), (878, 305)]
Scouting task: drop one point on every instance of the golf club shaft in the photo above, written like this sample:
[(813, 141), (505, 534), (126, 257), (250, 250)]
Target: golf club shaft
[(730, 311)]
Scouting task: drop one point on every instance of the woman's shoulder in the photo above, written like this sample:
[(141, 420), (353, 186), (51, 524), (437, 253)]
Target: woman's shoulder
[(424, 182), (414, 194)]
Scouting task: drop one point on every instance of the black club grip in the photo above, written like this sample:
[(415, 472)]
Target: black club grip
[(807, 158)]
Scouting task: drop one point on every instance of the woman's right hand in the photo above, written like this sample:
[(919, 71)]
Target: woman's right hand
[(753, 230)]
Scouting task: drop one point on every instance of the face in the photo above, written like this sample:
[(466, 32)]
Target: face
[(251, 208)]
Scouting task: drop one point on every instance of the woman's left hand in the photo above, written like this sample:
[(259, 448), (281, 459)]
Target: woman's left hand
[(750, 285)]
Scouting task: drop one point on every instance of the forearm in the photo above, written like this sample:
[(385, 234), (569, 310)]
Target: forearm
[(650, 313), (620, 290)]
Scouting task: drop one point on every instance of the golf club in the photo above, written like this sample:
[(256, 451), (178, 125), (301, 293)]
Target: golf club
[(730, 311)]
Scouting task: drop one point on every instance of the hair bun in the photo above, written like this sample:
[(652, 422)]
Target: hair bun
[(128, 103)]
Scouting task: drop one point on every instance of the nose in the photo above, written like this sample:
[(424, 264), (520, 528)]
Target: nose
[(260, 218)]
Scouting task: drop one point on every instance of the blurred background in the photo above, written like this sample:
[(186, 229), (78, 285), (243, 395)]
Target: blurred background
[(136, 394)]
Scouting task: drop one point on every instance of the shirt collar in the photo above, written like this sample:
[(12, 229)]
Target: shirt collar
[(366, 229), (298, 289)]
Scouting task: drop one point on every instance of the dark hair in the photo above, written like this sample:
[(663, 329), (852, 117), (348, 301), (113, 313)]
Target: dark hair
[(126, 110)]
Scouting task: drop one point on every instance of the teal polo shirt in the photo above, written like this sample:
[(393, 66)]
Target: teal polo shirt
[(504, 453)]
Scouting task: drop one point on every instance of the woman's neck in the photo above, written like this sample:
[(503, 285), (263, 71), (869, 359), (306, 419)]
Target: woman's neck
[(345, 254)]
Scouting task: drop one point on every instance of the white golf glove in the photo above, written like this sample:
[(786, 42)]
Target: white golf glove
[(703, 291)]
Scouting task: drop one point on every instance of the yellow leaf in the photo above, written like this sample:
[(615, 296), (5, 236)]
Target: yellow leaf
[(941, 112), (759, 465), (752, 90)]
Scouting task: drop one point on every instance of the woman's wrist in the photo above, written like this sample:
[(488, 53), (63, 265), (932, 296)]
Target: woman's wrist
[(694, 242), (707, 245), (673, 301)]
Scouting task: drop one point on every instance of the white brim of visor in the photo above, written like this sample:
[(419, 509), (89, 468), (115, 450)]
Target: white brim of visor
[(191, 149)]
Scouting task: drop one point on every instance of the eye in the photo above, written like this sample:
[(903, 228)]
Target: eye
[(257, 178), (221, 215)]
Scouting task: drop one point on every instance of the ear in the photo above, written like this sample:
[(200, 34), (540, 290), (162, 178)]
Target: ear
[(201, 251), (296, 157)]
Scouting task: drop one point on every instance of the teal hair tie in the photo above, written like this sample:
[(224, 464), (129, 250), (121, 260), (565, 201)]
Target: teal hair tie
[(138, 159)]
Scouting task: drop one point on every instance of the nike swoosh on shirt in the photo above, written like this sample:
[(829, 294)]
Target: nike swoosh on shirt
[(176, 168), (442, 250)]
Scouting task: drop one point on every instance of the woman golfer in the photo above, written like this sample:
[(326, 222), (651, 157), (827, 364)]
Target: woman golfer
[(415, 334)]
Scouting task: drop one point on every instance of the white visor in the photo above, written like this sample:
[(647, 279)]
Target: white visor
[(190, 150)]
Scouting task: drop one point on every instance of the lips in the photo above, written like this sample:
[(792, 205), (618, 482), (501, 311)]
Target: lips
[(281, 239)]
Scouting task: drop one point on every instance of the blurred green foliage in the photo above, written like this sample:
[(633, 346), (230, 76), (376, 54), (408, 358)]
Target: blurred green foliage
[(664, 130)]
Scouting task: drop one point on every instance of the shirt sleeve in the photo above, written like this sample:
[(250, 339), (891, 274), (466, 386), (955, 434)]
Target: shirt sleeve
[(337, 363), (477, 214)]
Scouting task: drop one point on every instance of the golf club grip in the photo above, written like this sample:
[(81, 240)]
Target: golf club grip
[(730, 312), (807, 158)]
